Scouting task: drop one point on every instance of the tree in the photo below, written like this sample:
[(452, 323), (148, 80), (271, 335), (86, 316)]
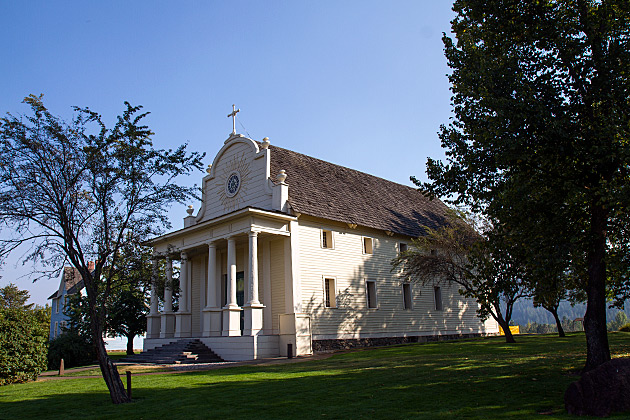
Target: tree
[(23, 336), (457, 254), (74, 191), (539, 139)]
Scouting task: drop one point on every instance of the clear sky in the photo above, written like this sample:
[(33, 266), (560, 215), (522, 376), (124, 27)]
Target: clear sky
[(358, 83)]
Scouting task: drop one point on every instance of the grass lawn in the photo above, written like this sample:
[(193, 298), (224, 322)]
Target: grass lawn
[(482, 379)]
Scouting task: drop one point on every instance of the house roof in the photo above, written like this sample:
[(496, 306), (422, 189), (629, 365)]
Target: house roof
[(73, 282), (323, 189)]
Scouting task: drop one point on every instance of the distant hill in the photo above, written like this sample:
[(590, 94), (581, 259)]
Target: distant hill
[(524, 312)]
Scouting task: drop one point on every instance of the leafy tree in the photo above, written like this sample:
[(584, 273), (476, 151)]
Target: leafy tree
[(539, 139), (457, 254), (76, 190), (620, 320), (23, 336)]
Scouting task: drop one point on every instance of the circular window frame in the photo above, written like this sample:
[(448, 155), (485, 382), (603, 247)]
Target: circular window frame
[(227, 181)]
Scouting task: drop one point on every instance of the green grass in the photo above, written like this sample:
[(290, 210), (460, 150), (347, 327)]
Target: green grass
[(475, 379)]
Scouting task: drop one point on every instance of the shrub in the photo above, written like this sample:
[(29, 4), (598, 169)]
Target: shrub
[(23, 338), (625, 328), (74, 349)]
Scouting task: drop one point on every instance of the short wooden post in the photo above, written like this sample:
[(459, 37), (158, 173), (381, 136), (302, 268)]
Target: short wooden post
[(61, 368), (129, 384)]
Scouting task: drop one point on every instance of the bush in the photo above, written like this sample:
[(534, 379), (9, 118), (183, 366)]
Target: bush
[(74, 349), (625, 328), (23, 338)]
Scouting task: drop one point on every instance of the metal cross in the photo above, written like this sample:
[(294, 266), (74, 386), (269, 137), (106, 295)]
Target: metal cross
[(233, 115)]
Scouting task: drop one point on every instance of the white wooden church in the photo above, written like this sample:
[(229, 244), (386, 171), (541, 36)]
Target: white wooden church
[(289, 249)]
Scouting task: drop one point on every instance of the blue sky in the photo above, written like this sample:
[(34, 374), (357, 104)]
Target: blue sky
[(358, 83)]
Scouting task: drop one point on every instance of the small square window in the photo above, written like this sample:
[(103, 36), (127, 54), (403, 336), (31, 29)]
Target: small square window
[(370, 289), (402, 247), (368, 246), (437, 295), (327, 239), (407, 299), (329, 293)]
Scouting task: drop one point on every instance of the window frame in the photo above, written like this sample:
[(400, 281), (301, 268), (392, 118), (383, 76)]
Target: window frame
[(438, 300), (332, 299), (364, 242), (407, 285), (400, 246), (321, 239), (367, 294)]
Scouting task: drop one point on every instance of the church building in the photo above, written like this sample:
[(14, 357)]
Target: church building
[(289, 253)]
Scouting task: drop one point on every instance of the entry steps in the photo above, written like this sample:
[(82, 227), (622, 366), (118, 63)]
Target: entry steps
[(184, 351)]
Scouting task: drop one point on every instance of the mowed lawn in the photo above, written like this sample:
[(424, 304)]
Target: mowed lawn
[(483, 378)]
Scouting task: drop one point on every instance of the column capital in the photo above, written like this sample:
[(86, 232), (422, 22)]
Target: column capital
[(212, 243), (253, 233), (184, 256)]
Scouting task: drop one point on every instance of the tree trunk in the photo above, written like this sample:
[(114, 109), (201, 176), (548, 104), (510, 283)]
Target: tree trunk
[(597, 350), (509, 338), (558, 322), (130, 344)]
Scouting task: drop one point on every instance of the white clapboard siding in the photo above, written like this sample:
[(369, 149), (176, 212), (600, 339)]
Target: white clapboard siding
[(347, 263), (276, 249)]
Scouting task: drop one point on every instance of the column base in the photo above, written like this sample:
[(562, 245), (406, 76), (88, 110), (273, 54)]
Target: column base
[(183, 324), (231, 321), (167, 325), (253, 318), (154, 322), (211, 322)]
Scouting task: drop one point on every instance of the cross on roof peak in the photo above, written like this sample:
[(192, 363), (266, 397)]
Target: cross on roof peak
[(233, 115)]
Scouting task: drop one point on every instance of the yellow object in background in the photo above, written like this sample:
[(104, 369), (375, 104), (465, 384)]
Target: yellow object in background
[(514, 328)]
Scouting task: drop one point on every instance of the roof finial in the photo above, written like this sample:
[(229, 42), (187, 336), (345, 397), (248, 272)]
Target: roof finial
[(265, 143), (233, 115)]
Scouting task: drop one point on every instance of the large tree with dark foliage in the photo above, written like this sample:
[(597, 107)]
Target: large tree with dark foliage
[(75, 190), (540, 136)]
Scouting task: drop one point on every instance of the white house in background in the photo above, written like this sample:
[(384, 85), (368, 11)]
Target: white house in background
[(69, 284), (291, 250)]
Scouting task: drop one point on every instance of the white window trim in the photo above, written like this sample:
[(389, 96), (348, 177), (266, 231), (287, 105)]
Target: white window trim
[(56, 327), (333, 301), (363, 239), (402, 291), (321, 238), (435, 306), (367, 300), (57, 305), (399, 246)]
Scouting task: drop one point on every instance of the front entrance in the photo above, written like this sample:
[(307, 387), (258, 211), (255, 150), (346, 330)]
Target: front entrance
[(240, 294)]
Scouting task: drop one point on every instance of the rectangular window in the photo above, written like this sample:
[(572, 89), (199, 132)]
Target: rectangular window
[(407, 301), (368, 245), (437, 295), (402, 247), (327, 239), (370, 289), (329, 293), (56, 301), (56, 328)]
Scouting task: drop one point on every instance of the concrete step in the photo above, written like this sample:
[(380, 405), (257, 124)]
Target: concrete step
[(182, 351)]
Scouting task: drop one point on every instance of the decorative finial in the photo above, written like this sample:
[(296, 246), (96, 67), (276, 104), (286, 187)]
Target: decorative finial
[(265, 143), (209, 168), (233, 115), (282, 175), (190, 210)]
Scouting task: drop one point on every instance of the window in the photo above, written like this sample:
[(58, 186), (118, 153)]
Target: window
[(329, 293), (407, 299), (327, 239), (402, 247), (56, 328), (368, 245), (437, 295), (56, 307), (370, 289)]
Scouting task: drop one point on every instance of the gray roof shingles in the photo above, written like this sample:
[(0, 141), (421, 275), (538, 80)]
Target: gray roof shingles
[(323, 189)]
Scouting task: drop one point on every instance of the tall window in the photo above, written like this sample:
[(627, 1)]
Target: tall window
[(368, 245), (370, 289), (329, 293), (402, 247), (437, 295), (327, 239), (406, 290)]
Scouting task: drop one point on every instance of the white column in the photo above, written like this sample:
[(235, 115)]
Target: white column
[(211, 295), (154, 298), (253, 268), (183, 283), (168, 288), (231, 272), (231, 311)]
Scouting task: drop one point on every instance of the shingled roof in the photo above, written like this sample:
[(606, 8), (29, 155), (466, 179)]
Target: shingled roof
[(73, 280), (323, 189)]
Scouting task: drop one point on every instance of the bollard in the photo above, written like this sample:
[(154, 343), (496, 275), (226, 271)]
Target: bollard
[(290, 351), (61, 368), (129, 384)]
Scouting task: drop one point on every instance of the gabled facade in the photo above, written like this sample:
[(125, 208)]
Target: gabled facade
[(291, 253), (69, 284)]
